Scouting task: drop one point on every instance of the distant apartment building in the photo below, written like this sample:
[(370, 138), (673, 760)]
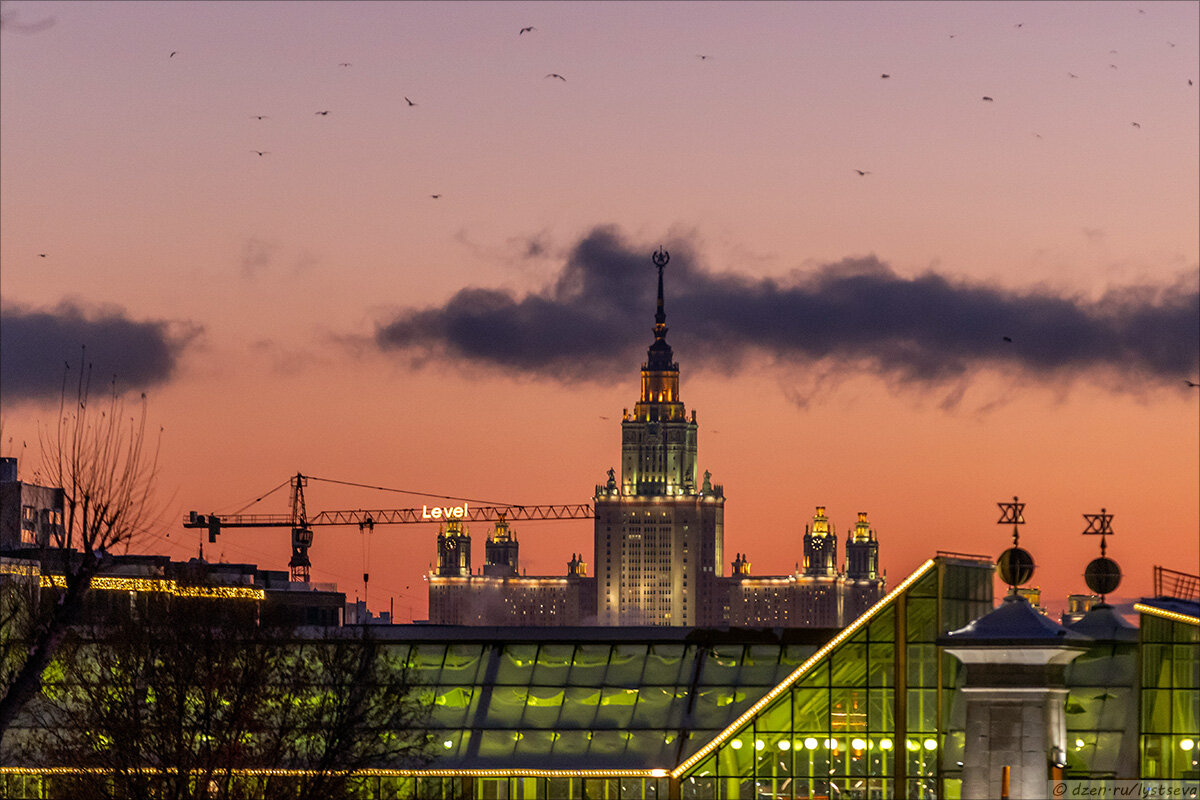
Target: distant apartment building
[(31, 516)]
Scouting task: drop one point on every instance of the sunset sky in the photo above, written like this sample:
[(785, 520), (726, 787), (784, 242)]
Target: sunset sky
[(443, 284)]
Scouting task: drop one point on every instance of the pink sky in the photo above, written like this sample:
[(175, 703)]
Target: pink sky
[(135, 172)]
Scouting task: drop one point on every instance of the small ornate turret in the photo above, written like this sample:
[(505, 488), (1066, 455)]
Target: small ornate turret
[(820, 547), (501, 551), (454, 550), (862, 551)]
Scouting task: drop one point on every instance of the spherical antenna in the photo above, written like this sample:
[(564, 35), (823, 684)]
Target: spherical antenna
[(1103, 576), (1015, 566)]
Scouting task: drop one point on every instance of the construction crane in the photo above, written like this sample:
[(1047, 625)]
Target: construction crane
[(302, 525)]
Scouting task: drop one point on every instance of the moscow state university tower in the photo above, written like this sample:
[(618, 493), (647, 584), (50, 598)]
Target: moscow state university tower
[(659, 531)]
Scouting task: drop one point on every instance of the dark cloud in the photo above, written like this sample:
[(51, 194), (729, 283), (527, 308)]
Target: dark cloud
[(9, 22), (595, 321), (37, 345)]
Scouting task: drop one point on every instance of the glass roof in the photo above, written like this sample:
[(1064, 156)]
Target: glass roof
[(628, 698)]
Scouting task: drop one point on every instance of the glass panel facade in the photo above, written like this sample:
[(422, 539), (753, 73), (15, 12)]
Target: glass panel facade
[(843, 710), (1170, 698)]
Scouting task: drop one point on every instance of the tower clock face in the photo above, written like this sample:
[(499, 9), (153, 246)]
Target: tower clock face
[(652, 429)]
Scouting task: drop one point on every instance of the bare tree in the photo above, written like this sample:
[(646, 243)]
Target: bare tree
[(100, 461), (183, 698)]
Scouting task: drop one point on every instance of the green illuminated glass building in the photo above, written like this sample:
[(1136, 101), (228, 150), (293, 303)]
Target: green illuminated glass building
[(874, 710)]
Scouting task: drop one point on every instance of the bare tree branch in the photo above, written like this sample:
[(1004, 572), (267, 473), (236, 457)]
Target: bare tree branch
[(100, 460)]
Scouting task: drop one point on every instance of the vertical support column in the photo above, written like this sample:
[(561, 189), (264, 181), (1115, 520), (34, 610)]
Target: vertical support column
[(900, 746)]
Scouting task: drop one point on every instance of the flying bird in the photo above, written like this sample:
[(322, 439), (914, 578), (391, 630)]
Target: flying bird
[(526, 29), (885, 75), (863, 172), (1136, 124), (1192, 384), (410, 102), (345, 64), (702, 57), (321, 113), (41, 255), (172, 54), (261, 152), (1019, 25), (1189, 81), (435, 196), (985, 97), (1072, 74), (555, 75), (259, 116), (1007, 338)]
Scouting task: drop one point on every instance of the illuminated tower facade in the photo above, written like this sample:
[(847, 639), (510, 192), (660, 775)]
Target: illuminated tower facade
[(863, 584), (454, 551), (500, 552), (820, 547), (862, 551), (659, 531)]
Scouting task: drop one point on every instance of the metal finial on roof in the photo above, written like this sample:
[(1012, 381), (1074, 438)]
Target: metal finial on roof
[(1015, 564), (1102, 575)]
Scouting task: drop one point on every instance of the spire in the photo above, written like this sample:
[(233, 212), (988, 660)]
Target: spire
[(660, 357)]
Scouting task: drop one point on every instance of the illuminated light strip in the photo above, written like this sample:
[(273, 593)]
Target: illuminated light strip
[(166, 586), (787, 683), (1162, 612), (373, 772)]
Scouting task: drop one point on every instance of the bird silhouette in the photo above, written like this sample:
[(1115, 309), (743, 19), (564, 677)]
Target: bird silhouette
[(1007, 338), (172, 54), (345, 64), (435, 196), (410, 102), (555, 75), (1072, 74), (885, 75), (1192, 384), (41, 255), (1136, 124), (701, 57), (321, 113), (259, 116), (261, 152), (863, 172), (526, 29), (985, 97)]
